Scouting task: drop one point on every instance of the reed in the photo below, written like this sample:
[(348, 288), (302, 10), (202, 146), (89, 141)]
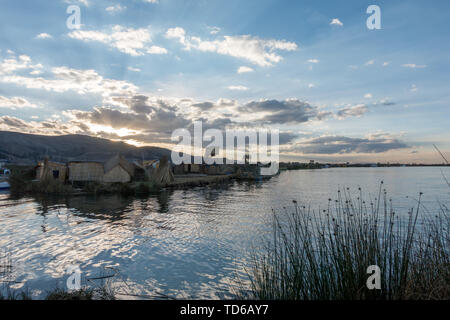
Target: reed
[(324, 255)]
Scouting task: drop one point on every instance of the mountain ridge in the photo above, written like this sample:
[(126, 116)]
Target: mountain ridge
[(28, 148)]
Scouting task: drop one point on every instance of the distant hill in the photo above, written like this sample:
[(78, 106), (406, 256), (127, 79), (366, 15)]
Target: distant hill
[(30, 148)]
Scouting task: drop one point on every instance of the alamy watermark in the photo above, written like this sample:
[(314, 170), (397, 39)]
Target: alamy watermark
[(374, 281), (74, 280), (374, 20), (74, 20)]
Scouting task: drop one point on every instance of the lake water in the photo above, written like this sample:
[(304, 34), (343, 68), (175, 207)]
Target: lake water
[(185, 244)]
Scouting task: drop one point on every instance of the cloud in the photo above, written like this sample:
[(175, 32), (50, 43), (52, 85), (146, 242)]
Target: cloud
[(345, 145), (156, 50), (311, 85), (336, 22), (353, 111), (313, 60), (214, 30), (413, 66), (176, 33), (256, 50), (385, 64), (237, 88), (13, 64), (43, 36), (134, 69), (413, 88), (12, 122), (368, 96), (64, 79), (158, 121), (369, 63), (15, 103), (116, 8), (244, 69), (204, 105), (286, 111), (127, 40)]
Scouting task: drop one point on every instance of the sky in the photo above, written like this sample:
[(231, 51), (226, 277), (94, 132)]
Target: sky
[(137, 70)]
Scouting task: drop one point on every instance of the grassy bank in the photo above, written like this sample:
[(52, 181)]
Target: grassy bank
[(324, 255)]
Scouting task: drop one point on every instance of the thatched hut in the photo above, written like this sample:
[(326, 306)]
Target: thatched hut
[(162, 173), (85, 171), (118, 169), (50, 170)]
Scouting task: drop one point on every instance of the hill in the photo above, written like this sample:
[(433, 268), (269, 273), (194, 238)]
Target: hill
[(29, 148)]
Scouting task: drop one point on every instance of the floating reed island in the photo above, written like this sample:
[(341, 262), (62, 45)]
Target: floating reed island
[(119, 175)]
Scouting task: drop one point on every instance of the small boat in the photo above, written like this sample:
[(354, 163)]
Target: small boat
[(4, 175), (4, 185)]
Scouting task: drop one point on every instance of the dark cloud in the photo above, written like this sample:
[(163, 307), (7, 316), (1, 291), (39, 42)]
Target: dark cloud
[(13, 122), (287, 111), (204, 105), (48, 125), (287, 137), (343, 145), (159, 120), (354, 111)]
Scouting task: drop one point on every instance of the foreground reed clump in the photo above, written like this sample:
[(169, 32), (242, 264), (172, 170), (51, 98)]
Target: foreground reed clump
[(325, 255)]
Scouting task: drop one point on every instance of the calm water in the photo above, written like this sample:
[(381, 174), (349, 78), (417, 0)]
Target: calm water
[(185, 244)]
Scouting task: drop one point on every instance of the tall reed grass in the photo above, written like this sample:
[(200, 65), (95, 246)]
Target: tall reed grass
[(324, 255)]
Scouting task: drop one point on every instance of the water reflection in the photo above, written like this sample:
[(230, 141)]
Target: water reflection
[(191, 243)]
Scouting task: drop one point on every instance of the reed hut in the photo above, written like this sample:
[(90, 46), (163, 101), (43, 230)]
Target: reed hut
[(162, 175), (118, 169), (85, 171), (50, 170)]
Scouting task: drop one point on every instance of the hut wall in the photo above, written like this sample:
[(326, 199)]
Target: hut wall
[(178, 169), (85, 171), (195, 168), (53, 171), (117, 174), (39, 172)]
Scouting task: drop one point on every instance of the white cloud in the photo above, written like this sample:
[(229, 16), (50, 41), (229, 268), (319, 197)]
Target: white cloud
[(413, 88), (214, 30), (256, 50), (64, 79), (385, 64), (116, 8), (238, 88), (368, 96), (15, 103), (336, 22), (369, 63), (134, 69), (127, 40), (44, 36), (177, 33), (413, 66), (156, 50), (14, 64), (311, 85), (244, 69), (313, 61), (150, 1)]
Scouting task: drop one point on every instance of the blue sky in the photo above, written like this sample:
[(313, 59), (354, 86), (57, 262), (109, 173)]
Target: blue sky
[(136, 70)]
